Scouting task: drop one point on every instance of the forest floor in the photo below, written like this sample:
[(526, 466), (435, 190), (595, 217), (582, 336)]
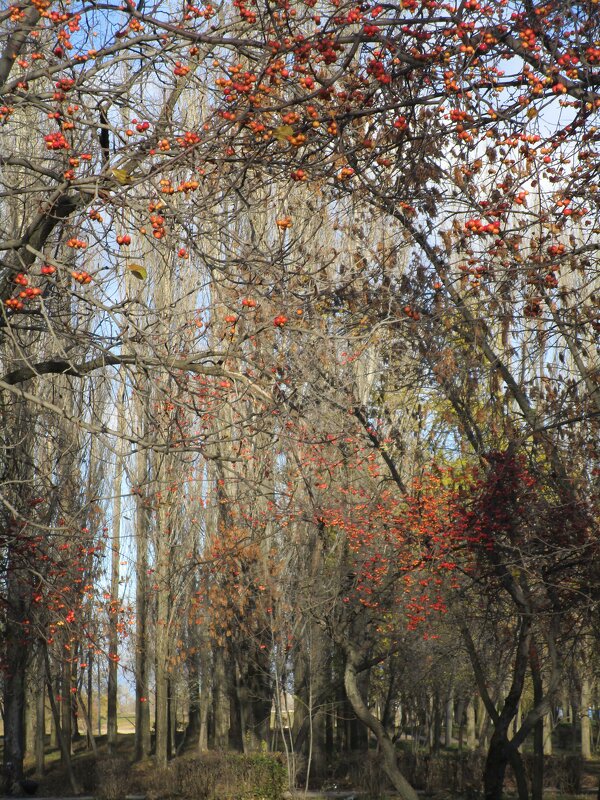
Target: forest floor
[(54, 784)]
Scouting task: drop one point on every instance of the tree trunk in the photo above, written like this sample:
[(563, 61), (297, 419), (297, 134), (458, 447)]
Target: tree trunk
[(518, 768), (471, 737), (548, 726), (586, 722), (66, 727), (460, 720), (113, 613), (172, 716), (40, 718), (15, 611), (192, 729), (88, 726), (64, 743), (537, 776), (241, 734), (142, 745), (484, 723), (54, 737), (162, 641), (14, 702), (495, 769), (220, 701), (205, 693), (90, 694), (386, 746), (437, 723), (449, 720), (31, 686)]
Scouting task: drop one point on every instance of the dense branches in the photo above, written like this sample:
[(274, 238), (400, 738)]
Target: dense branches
[(314, 287)]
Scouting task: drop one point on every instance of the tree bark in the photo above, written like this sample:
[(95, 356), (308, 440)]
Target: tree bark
[(220, 700), (548, 727), (449, 720), (88, 725), (30, 692), (40, 718), (495, 768), (64, 743), (471, 738), (586, 722), (142, 745), (537, 777), (205, 693), (162, 640), (386, 746), (113, 613), (192, 730), (66, 726), (14, 693)]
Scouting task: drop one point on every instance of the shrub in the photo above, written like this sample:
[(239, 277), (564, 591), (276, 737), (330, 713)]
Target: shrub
[(561, 772), (458, 773), (112, 778), (260, 776)]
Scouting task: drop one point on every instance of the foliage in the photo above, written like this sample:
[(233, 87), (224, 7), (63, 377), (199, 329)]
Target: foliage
[(112, 778), (304, 295), (215, 776)]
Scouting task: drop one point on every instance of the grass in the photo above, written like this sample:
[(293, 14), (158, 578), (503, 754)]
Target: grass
[(118, 770)]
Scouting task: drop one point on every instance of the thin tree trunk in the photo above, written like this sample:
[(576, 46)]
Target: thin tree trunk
[(586, 722), (484, 724), (460, 719), (90, 693), (518, 768), (88, 725), (113, 631), (220, 701), (17, 470), (205, 693), (386, 746), (548, 727), (437, 723), (66, 728), (172, 718), (537, 777), (142, 706), (449, 720), (40, 717), (162, 639), (14, 706), (31, 687), (193, 686), (471, 738), (65, 745)]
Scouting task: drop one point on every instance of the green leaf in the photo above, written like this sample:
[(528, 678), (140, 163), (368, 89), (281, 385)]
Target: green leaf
[(138, 271), (121, 176), (282, 132)]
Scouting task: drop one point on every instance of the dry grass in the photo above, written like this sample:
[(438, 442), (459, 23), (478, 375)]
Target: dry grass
[(214, 775)]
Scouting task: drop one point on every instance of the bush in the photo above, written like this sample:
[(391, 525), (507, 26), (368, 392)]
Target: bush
[(453, 773), (259, 776), (112, 778), (458, 773), (365, 773), (561, 772)]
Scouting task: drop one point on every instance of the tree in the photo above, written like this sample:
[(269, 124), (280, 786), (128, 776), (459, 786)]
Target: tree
[(446, 157)]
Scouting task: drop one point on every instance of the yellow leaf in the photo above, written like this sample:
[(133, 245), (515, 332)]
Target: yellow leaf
[(121, 176), (282, 132), (138, 270)]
